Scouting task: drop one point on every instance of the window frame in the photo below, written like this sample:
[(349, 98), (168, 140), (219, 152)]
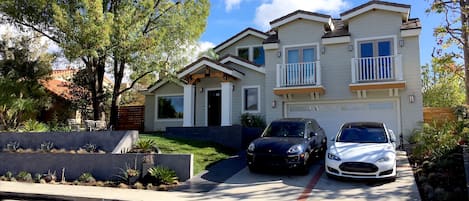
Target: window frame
[(375, 45), (250, 52), (394, 47), (157, 118), (315, 46), (243, 96)]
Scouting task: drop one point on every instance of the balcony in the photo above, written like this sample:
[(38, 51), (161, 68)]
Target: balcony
[(296, 78), (384, 72)]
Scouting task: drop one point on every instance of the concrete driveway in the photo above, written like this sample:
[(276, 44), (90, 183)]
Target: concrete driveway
[(315, 186)]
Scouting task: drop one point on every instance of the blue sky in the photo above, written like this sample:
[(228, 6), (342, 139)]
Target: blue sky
[(228, 17)]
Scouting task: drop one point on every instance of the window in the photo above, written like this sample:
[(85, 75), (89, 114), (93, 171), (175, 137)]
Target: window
[(251, 99), (376, 61), (170, 107), (243, 53), (301, 55), (253, 54)]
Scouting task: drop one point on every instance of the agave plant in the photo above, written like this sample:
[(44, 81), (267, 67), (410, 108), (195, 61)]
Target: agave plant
[(86, 178), (145, 146), (163, 175), (47, 146)]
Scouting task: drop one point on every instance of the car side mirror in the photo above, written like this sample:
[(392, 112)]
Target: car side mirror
[(391, 135), (313, 134)]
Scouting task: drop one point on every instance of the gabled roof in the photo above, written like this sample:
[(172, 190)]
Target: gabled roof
[(204, 61), (300, 14), (242, 62), (159, 83), (404, 9), (338, 28), (239, 36)]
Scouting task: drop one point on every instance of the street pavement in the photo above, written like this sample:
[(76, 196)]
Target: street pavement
[(243, 185)]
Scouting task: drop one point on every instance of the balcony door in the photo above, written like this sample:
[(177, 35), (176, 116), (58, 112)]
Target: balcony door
[(376, 60), (300, 67)]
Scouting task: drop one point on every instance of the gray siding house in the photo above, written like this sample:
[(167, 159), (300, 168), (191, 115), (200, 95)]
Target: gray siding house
[(364, 66)]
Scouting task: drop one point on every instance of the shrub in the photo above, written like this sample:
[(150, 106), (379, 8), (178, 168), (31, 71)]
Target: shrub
[(47, 146), (37, 177), (86, 178), (9, 175), (12, 146), (24, 176), (250, 120), (90, 147), (34, 126), (434, 141), (145, 146), (163, 175)]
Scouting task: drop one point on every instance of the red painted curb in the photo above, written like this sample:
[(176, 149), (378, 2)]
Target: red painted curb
[(305, 194)]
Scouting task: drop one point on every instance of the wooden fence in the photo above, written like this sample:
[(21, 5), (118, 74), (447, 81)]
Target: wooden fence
[(131, 118), (431, 114)]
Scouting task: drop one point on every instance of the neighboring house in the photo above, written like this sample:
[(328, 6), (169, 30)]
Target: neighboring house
[(364, 66)]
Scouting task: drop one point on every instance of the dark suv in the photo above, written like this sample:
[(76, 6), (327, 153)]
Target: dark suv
[(287, 143)]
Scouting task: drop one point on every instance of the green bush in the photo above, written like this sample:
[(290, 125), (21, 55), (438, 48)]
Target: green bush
[(8, 175), (24, 176), (145, 146), (163, 175), (250, 120), (435, 140), (86, 178), (34, 126)]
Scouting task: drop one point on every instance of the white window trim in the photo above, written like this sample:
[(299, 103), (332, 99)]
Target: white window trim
[(156, 108), (206, 102), (258, 87), (250, 51), (315, 45), (394, 38)]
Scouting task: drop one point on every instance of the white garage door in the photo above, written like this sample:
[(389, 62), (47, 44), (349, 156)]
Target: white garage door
[(332, 115)]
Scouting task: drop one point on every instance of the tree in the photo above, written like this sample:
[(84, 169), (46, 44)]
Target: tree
[(442, 83), (23, 65), (141, 36), (454, 30)]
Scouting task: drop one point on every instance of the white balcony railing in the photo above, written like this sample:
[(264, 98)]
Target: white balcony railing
[(377, 69), (299, 74)]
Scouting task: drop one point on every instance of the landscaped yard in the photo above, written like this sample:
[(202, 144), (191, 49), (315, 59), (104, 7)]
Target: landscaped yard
[(205, 153)]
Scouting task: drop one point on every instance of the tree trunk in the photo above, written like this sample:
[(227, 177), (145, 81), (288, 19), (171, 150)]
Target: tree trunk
[(119, 66), (464, 27), (95, 69)]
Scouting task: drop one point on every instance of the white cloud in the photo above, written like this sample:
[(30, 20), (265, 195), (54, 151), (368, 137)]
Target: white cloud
[(204, 46), (274, 9), (230, 4)]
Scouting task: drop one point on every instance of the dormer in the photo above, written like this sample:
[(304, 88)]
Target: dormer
[(247, 45)]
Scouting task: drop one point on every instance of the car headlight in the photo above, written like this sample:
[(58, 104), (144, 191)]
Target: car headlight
[(251, 147), (295, 149), (383, 159), (333, 157)]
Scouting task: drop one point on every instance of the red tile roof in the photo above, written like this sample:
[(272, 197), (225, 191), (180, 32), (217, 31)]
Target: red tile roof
[(59, 88)]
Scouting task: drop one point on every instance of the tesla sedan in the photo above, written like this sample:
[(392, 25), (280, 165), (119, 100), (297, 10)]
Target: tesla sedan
[(362, 150)]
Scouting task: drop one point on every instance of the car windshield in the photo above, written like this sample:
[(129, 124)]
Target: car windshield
[(362, 134), (285, 129)]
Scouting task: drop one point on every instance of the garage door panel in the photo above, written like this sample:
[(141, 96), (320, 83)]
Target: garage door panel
[(332, 115)]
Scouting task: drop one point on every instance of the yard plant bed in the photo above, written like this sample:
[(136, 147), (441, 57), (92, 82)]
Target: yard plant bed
[(205, 153), (442, 178)]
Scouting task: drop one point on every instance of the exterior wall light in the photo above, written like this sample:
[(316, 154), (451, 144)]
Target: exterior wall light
[(401, 43), (350, 48), (411, 98), (274, 104)]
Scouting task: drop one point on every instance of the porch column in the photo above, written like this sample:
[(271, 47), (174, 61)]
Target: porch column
[(188, 116), (226, 101)]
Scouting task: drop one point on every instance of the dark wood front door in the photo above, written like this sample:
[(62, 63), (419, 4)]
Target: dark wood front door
[(214, 107)]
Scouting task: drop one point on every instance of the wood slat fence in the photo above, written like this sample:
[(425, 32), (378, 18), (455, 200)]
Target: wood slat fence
[(131, 118)]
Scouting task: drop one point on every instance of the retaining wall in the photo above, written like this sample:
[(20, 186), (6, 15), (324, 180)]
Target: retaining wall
[(102, 166)]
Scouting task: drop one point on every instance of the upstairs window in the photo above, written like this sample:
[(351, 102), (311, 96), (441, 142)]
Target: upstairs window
[(254, 54), (301, 55), (377, 48)]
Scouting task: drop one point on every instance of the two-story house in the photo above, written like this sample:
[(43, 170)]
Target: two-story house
[(364, 66)]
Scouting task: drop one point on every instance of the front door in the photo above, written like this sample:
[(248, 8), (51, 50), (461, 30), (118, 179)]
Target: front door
[(214, 107)]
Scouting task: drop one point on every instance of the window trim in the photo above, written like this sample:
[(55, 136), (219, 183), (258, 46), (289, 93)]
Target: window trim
[(258, 87), (156, 108), (394, 47), (375, 44), (316, 47), (250, 52)]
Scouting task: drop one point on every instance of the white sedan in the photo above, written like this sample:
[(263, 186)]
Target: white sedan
[(362, 150)]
